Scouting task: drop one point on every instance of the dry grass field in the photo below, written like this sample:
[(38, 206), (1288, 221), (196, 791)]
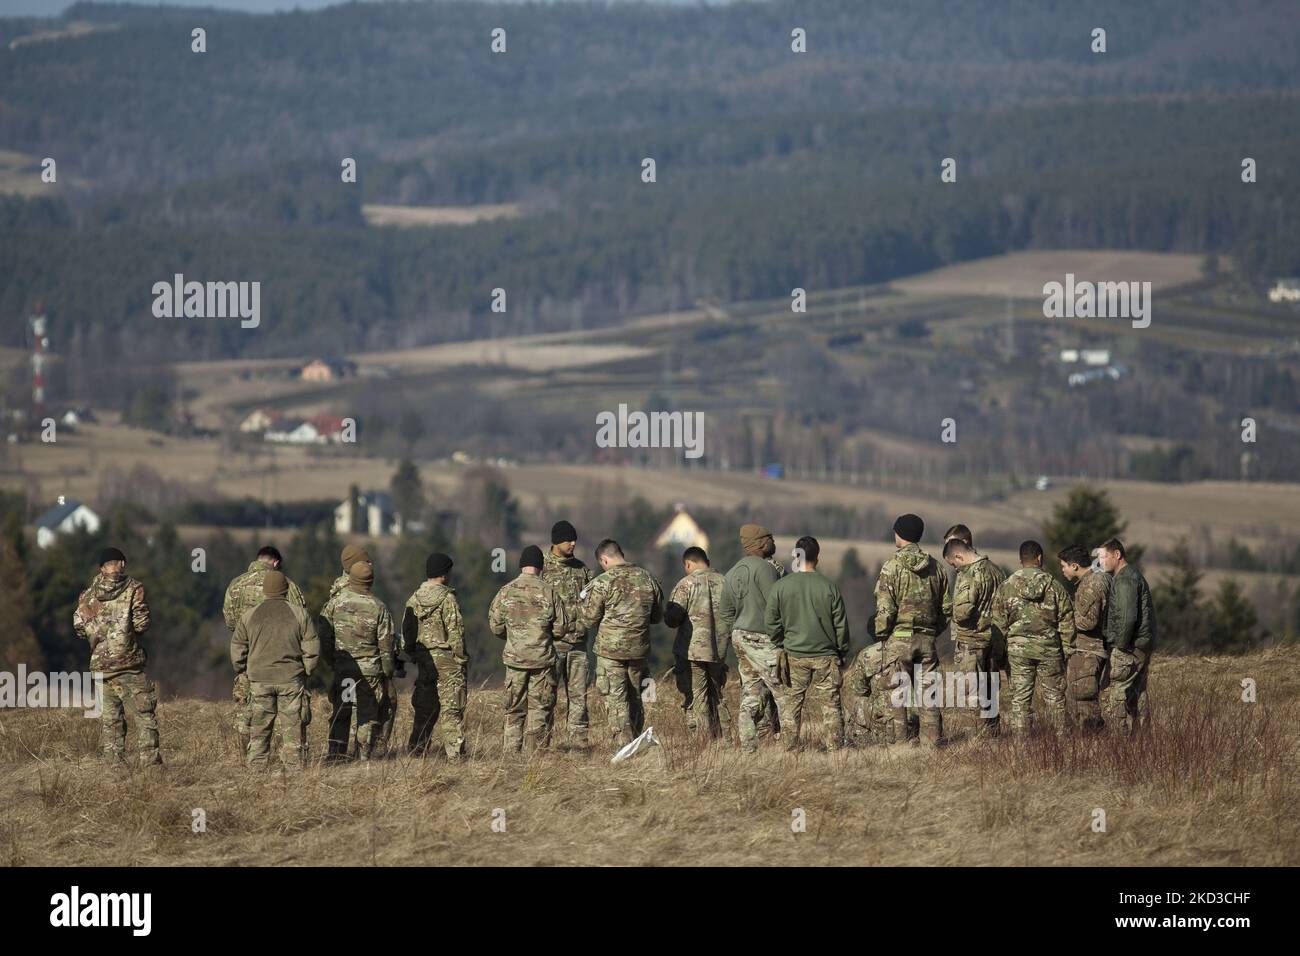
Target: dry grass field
[(1213, 782)]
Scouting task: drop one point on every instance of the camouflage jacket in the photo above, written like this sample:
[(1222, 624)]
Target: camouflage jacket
[(1091, 595), (1034, 611), (622, 603), (1130, 616), (568, 576), (695, 609), (363, 631), (972, 602), (527, 613), (744, 603), (111, 614), (245, 593), (336, 589), (432, 621), (910, 595)]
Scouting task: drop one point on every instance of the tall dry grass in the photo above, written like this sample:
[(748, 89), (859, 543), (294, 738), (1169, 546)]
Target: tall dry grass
[(1213, 781)]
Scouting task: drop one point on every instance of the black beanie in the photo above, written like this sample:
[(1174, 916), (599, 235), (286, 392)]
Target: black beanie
[(909, 528), (563, 531), (531, 557), (436, 565), (110, 554)]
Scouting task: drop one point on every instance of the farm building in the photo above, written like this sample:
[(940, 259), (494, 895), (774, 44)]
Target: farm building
[(63, 519)]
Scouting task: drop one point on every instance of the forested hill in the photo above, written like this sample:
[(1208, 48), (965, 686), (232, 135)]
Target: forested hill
[(774, 168), (391, 78)]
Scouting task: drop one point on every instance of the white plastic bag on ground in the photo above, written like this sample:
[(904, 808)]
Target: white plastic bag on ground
[(644, 742)]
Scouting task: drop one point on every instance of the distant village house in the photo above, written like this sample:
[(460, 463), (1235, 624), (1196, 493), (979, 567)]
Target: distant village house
[(1285, 290), (64, 519), (682, 532), (327, 370), (373, 515)]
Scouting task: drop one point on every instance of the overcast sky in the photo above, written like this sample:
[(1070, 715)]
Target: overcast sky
[(27, 8)]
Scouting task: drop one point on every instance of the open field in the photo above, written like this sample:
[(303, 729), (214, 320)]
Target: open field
[(1021, 275), (1215, 782), (409, 217)]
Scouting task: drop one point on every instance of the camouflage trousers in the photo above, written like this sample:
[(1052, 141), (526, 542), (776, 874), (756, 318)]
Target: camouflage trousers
[(290, 705), (620, 683), (439, 693), (1124, 703), (700, 683), (366, 693), (1028, 671), (528, 695), (760, 690), (136, 693), (822, 676), (913, 656), (976, 662), (1083, 673), (572, 673), (240, 695)]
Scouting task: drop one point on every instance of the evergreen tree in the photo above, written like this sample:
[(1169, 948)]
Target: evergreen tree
[(1086, 517), (1232, 620), (1178, 596), (407, 491)]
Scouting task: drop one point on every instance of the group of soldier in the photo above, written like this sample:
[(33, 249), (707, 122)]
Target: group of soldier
[(789, 633)]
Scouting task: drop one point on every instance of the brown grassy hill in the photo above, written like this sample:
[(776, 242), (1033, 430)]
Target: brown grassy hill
[(1214, 782)]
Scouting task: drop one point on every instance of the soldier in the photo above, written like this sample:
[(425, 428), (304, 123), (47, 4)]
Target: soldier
[(621, 604), (275, 647), (569, 576), (352, 553), (364, 660), (868, 679), (700, 647), (1083, 670), (744, 612), (527, 613), (111, 615), (978, 579), (433, 634), (909, 617), (1033, 610), (245, 593), (1131, 634), (805, 618)]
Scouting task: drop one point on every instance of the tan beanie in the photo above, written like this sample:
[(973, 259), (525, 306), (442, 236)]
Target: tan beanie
[(752, 538)]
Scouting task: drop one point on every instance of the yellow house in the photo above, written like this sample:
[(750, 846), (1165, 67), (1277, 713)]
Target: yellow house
[(682, 532)]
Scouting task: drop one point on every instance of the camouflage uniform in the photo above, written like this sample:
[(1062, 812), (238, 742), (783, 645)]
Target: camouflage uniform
[(433, 635), (1085, 667), (275, 646), (1033, 609), (526, 614), (700, 649), (974, 636), (909, 616), (243, 594), (569, 576), (1131, 634), (868, 680), (111, 614), (364, 660), (806, 619), (622, 603), (744, 611)]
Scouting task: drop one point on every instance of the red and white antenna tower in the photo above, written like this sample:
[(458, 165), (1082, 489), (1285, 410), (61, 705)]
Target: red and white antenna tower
[(40, 342)]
